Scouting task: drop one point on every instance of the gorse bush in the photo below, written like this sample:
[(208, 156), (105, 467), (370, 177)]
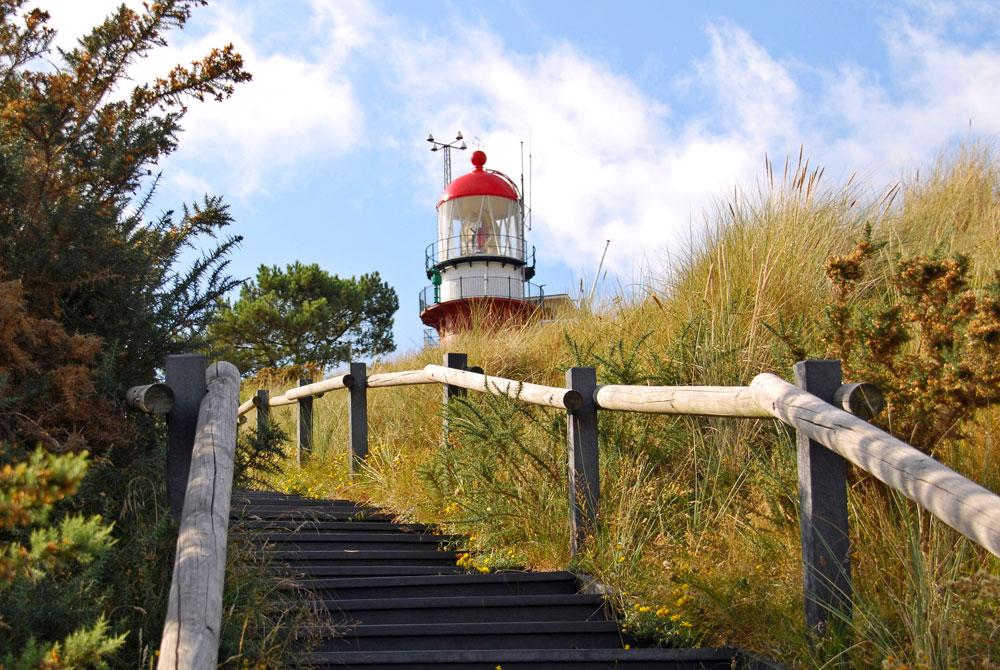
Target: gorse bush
[(93, 296), (933, 347)]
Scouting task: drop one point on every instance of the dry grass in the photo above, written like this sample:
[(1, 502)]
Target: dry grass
[(699, 532)]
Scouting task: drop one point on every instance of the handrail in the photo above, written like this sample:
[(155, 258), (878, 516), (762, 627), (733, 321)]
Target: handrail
[(194, 611), (536, 394), (733, 401), (320, 387), (405, 378), (959, 502), (967, 507)]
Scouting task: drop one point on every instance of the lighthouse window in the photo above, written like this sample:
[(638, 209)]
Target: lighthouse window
[(480, 226)]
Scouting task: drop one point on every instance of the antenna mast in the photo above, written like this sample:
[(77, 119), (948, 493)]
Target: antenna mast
[(593, 286), (531, 185), (446, 148)]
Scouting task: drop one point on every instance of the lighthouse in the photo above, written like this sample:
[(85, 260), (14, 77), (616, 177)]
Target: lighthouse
[(479, 265)]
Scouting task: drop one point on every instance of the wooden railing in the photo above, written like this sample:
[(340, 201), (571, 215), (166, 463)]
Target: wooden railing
[(201, 409), (828, 417)]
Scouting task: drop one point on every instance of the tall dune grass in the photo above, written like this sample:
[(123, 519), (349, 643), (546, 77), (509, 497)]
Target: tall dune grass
[(699, 534)]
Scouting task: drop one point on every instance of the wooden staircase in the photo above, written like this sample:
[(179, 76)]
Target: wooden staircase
[(396, 599)]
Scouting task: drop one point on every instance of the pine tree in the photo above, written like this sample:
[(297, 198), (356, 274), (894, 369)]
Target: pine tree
[(306, 319)]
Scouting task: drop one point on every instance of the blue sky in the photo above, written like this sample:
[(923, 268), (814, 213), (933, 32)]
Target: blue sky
[(640, 115)]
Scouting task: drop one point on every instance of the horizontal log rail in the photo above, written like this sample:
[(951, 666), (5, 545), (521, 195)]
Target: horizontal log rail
[(405, 378), (536, 394), (732, 401), (155, 398), (320, 387), (959, 502)]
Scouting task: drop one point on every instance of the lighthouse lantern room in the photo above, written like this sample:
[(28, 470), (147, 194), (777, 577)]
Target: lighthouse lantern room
[(480, 264)]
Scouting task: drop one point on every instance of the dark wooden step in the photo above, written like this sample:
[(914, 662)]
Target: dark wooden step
[(532, 659), (308, 506), (310, 526), (450, 636), (342, 570), (508, 583), (426, 556), (466, 609), (306, 514), (242, 503), (328, 541)]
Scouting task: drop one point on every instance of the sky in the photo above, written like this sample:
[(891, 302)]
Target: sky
[(638, 116)]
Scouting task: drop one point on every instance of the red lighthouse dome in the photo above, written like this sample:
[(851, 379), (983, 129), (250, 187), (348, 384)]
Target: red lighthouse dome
[(479, 264), (479, 182)]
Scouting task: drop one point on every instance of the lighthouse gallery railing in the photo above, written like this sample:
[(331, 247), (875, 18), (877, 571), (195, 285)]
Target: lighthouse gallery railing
[(478, 246), (486, 286)]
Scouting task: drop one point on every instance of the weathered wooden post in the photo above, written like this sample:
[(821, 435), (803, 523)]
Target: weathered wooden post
[(303, 445), (458, 362), (185, 375), (584, 463), (357, 410), (823, 512), (263, 403)]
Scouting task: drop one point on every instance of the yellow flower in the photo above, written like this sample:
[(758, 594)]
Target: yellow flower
[(627, 647), (662, 612), (644, 609)]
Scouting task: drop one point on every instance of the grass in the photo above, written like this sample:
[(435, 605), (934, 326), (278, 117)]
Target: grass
[(699, 532)]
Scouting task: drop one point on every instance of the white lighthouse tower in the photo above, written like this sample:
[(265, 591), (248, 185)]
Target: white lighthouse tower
[(480, 264)]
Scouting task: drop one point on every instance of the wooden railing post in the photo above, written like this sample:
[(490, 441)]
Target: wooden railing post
[(358, 415), (584, 472), (262, 402), (456, 361), (185, 375), (303, 444), (823, 512)]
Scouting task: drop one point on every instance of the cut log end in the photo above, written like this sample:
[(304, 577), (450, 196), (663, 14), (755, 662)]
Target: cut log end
[(862, 399), (151, 398)]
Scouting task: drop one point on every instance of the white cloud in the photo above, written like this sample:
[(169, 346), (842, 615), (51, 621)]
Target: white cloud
[(757, 96), (937, 88), (297, 108)]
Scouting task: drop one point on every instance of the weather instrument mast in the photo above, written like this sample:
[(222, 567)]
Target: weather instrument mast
[(446, 148)]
